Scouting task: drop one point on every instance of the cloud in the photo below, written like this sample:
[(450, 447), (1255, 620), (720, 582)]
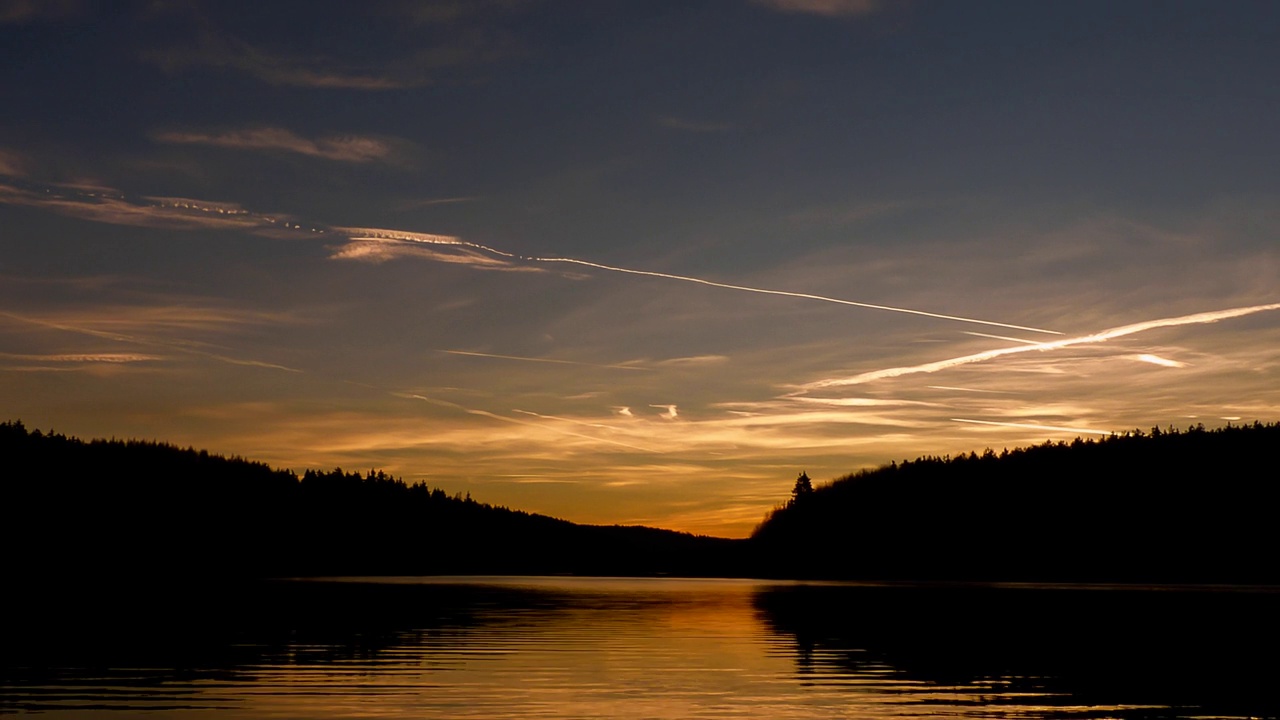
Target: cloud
[(1156, 360), (866, 402), (970, 390), (154, 326), (381, 245), (109, 206), (122, 322), (827, 8), (515, 421), (380, 250), (694, 361), (670, 414), (1031, 426), (543, 360), (1103, 336), (342, 148), (102, 357)]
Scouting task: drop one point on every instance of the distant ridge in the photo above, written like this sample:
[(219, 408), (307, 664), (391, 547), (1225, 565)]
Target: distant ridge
[(1195, 506), (110, 507), (1169, 506)]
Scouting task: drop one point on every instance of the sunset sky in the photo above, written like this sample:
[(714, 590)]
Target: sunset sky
[(636, 261)]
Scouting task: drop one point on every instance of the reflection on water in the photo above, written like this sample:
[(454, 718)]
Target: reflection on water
[(650, 648)]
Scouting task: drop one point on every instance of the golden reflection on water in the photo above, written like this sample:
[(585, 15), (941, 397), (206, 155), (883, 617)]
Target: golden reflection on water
[(543, 648)]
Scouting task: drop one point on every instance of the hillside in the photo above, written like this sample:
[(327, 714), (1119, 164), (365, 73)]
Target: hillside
[(1165, 506), (103, 507)]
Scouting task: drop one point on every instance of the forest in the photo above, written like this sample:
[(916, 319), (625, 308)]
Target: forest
[(1165, 506), (112, 508)]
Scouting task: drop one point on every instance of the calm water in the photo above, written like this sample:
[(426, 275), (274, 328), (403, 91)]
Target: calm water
[(627, 648)]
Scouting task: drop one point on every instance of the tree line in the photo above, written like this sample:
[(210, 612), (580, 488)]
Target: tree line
[(109, 507), (1161, 506), (1167, 505)]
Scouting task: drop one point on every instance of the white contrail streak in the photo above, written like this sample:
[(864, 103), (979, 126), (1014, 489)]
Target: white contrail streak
[(1103, 336), (451, 240), (1031, 426), (116, 208), (787, 293), (1002, 337), (544, 360)]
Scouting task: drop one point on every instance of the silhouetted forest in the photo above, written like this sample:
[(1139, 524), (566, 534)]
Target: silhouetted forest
[(1166, 506), (75, 508), (1159, 507)]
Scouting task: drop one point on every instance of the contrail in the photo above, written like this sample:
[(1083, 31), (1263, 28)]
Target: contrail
[(1031, 426), (429, 239), (1006, 338), (544, 360), (787, 293), (1103, 336), (114, 207)]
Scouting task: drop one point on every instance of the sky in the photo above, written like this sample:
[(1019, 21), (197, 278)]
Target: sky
[(636, 262)]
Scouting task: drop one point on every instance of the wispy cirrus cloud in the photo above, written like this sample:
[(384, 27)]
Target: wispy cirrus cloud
[(341, 148), (155, 325), (101, 357), (376, 245), (669, 411), (694, 361), (110, 206), (1157, 360), (168, 327)]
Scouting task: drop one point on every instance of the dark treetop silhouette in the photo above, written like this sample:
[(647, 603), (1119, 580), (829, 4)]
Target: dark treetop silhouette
[(1168, 506), (145, 508)]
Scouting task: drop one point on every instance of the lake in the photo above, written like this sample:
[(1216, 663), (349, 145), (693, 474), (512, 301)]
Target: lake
[(527, 647)]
